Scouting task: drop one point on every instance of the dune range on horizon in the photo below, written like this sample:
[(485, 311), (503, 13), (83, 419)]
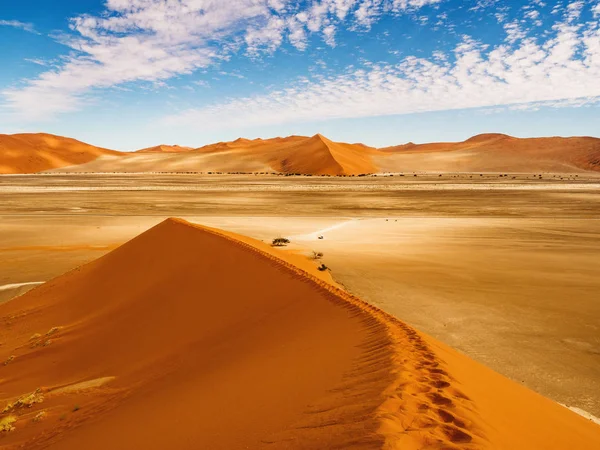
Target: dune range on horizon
[(316, 155), (280, 358)]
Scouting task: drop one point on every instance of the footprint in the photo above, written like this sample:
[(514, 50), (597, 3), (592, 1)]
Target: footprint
[(445, 416), (439, 399), (457, 436), (440, 384)]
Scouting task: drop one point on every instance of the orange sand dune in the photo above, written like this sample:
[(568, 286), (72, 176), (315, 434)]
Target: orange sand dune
[(187, 337), (165, 149), (496, 152), (31, 153), (316, 155)]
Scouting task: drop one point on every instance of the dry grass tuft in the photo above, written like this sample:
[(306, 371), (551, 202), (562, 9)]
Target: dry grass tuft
[(39, 416), (6, 423), (10, 358), (53, 330), (37, 340), (27, 400)]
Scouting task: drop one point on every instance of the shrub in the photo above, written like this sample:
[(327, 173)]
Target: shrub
[(322, 267), (280, 241), (317, 255)]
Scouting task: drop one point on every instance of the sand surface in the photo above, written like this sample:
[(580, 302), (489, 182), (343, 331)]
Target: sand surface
[(279, 359), (316, 155), (495, 152), (31, 153), (509, 277)]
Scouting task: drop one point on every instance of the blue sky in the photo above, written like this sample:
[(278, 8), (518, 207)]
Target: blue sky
[(127, 74)]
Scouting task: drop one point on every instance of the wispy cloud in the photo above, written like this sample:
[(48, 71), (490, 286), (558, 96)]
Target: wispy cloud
[(562, 69), (18, 24), (154, 40), (39, 62)]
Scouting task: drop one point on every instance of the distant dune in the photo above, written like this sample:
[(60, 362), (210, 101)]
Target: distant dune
[(314, 155), (31, 153), (495, 153), (187, 337), (165, 149)]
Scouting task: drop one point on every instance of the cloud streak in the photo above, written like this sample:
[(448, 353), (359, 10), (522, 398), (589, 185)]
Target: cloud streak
[(520, 73), (18, 24), (155, 40)]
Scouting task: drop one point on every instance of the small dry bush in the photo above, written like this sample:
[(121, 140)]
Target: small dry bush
[(316, 255), (6, 423), (27, 400), (280, 242)]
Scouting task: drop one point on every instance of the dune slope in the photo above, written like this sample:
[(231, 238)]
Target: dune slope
[(315, 155), (165, 149), (188, 337), (320, 156), (31, 153), (494, 153), (205, 343)]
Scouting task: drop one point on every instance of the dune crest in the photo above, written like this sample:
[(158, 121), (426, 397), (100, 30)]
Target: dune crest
[(165, 149), (316, 155), (495, 153), (189, 337), (31, 153), (280, 354)]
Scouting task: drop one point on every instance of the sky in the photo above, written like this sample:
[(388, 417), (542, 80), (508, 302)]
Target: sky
[(128, 74)]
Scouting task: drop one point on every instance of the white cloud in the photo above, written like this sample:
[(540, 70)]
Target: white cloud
[(39, 62), (560, 71), (154, 40), (297, 34), (18, 24), (596, 10), (267, 37), (138, 40), (514, 32), (329, 35), (574, 10), (367, 13)]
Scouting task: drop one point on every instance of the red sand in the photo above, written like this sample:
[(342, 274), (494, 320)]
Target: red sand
[(215, 342), (165, 149), (315, 155), (497, 152), (31, 153)]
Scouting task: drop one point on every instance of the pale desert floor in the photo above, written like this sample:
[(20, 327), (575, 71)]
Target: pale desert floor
[(505, 269)]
